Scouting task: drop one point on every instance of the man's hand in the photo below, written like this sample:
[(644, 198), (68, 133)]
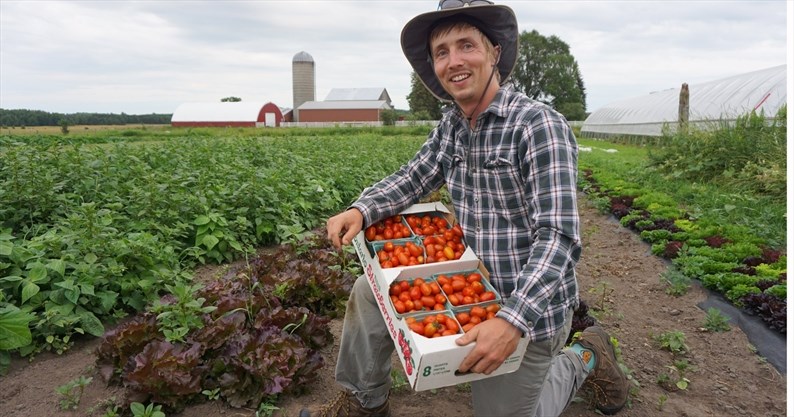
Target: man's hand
[(496, 340), (343, 227)]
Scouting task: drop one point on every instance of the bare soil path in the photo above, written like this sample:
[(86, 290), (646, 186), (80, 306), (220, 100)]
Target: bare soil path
[(617, 272)]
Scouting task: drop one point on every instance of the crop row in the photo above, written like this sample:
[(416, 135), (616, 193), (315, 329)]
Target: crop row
[(90, 233), (730, 259)]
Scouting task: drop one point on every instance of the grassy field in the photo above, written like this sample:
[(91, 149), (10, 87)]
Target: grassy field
[(92, 233), (75, 130)]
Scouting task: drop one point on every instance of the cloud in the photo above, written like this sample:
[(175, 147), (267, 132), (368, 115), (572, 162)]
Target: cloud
[(143, 57)]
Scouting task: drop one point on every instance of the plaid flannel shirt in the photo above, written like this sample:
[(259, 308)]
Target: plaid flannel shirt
[(512, 181)]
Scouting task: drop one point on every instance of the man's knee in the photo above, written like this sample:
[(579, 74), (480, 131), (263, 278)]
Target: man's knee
[(361, 290)]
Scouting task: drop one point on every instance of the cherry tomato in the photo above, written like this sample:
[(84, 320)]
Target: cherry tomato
[(399, 307), (488, 296), (463, 318)]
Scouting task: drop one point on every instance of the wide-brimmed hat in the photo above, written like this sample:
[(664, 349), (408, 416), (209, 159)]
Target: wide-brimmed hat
[(497, 22)]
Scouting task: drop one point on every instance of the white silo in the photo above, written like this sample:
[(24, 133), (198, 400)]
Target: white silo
[(303, 86)]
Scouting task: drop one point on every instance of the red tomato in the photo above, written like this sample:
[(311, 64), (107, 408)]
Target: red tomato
[(487, 296), (413, 249), (453, 299), (415, 293), (399, 307), (452, 325), (428, 301), (477, 287), (463, 318), (370, 233)]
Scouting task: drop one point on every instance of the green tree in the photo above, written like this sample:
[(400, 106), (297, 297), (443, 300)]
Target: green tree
[(388, 117), (231, 99), (420, 99), (546, 71)]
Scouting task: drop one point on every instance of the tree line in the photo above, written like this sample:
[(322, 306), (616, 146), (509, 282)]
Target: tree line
[(24, 117), (546, 71)]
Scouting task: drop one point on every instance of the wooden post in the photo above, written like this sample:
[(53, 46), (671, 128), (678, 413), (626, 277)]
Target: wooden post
[(683, 109)]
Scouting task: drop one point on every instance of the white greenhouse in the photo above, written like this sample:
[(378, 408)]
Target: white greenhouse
[(710, 102)]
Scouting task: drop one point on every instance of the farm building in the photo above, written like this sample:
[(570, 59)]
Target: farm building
[(227, 114), (363, 94), (303, 82), (342, 111), (347, 105), (709, 103)]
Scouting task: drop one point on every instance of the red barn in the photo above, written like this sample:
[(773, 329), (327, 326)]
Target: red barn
[(227, 114)]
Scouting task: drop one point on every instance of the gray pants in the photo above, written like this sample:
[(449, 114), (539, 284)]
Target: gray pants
[(543, 386)]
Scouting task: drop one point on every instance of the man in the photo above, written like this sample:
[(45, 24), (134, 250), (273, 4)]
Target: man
[(509, 164)]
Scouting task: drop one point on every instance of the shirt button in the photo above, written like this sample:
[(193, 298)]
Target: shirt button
[(474, 170), (476, 199), (477, 229)]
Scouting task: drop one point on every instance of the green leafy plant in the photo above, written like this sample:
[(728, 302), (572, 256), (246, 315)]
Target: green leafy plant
[(678, 284), (716, 321), (678, 380), (14, 333), (674, 341), (184, 314), (661, 401), (110, 406), (267, 407), (603, 292), (72, 391), (212, 394), (399, 382), (151, 410), (112, 411), (215, 239)]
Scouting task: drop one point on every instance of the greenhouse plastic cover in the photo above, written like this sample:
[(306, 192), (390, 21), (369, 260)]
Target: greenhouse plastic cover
[(720, 100)]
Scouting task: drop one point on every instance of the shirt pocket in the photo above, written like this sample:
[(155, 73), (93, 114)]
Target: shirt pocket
[(503, 179)]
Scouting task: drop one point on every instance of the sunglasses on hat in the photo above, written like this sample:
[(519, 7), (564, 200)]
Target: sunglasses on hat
[(450, 4)]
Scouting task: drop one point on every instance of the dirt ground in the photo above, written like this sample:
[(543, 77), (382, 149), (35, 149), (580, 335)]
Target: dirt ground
[(617, 272)]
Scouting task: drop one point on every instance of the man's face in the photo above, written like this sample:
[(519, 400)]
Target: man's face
[(462, 63)]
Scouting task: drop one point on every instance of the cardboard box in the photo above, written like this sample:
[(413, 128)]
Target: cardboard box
[(428, 362)]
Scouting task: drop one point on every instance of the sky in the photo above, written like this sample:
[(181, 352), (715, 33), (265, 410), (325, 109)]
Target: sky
[(141, 57)]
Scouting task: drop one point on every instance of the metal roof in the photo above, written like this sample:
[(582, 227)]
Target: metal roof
[(240, 111), (302, 57), (345, 105), (358, 94), (724, 99)]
